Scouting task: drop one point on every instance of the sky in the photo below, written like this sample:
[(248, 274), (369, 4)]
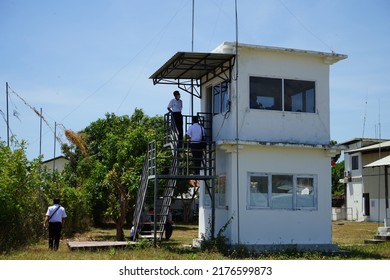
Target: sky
[(78, 60)]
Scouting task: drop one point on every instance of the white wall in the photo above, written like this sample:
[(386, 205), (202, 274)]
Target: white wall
[(277, 126), (59, 164), (365, 180), (251, 126), (271, 226)]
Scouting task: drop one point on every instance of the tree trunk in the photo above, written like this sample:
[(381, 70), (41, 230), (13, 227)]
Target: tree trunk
[(124, 202), (120, 235)]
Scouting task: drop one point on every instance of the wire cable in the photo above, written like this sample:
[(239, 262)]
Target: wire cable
[(304, 26)]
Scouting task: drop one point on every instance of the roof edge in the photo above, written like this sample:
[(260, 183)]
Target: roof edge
[(330, 57)]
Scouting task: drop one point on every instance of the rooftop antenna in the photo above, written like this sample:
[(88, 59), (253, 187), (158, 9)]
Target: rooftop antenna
[(365, 114)]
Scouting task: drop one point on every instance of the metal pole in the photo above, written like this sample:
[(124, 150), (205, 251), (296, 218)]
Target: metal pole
[(155, 197), (40, 134), (192, 49), (237, 134), (54, 157), (212, 208), (386, 189), (154, 212), (193, 24), (6, 96)]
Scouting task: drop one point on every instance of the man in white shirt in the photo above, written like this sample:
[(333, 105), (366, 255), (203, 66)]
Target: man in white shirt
[(175, 106), (55, 218), (195, 135)]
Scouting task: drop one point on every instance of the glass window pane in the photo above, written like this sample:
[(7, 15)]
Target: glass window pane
[(355, 162), (310, 101), (258, 193), (265, 93), (282, 186), (305, 192), (217, 99), (225, 97), (299, 96)]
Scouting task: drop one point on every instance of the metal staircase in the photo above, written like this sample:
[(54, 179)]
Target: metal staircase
[(176, 154), (149, 173), (141, 196)]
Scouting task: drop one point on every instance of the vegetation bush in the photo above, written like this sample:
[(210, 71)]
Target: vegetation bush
[(26, 190)]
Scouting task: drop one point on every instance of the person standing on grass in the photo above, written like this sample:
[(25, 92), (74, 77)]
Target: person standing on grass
[(55, 220)]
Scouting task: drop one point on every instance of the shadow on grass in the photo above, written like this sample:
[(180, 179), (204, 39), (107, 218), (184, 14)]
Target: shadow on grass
[(185, 227)]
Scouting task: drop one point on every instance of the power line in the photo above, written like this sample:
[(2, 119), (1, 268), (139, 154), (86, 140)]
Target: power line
[(37, 113), (305, 27)]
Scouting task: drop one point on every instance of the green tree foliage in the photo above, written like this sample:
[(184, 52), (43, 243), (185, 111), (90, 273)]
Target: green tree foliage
[(338, 188), (26, 190), (20, 199), (337, 174), (111, 168)]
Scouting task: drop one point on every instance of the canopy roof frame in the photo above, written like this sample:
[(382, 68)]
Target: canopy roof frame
[(190, 70)]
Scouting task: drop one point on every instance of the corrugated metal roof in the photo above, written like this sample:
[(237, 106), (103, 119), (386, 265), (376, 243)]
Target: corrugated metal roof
[(184, 67), (383, 145), (380, 162)]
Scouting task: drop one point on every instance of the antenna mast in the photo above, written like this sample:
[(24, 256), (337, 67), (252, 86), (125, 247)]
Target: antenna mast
[(192, 50), (6, 96), (365, 114)]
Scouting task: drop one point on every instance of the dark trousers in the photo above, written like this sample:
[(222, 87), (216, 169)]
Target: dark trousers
[(54, 235), (197, 156), (168, 230), (178, 118)]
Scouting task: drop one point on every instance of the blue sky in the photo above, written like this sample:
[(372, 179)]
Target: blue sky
[(78, 60)]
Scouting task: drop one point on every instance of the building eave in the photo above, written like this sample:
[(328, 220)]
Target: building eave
[(372, 148), (328, 57)]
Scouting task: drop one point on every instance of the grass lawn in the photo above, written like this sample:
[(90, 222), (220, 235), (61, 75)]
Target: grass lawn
[(349, 236)]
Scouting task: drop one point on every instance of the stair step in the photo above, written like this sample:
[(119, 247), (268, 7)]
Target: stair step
[(150, 236)]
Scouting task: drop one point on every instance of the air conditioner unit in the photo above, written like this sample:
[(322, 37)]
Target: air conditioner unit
[(347, 176)]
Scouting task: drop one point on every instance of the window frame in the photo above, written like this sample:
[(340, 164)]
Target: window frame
[(283, 95), (221, 97), (294, 192), (355, 162)]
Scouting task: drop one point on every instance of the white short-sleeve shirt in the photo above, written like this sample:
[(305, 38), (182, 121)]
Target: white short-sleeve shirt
[(176, 105), (195, 131), (58, 215)]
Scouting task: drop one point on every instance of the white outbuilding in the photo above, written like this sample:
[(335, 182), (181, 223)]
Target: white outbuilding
[(266, 112), (273, 161)]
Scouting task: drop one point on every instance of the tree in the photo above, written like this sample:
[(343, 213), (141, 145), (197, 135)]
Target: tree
[(337, 174), (110, 168), (338, 189), (26, 189)]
